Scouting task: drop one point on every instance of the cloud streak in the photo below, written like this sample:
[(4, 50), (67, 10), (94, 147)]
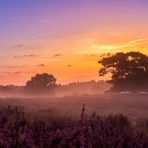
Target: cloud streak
[(138, 40), (131, 43), (25, 56), (57, 55), (69, 65), (19, 45), (41, 65)]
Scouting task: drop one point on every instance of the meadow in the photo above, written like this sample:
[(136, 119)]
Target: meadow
[(133, 105), (106, 120)]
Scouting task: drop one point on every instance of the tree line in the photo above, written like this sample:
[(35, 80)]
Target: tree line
[(125, 71)]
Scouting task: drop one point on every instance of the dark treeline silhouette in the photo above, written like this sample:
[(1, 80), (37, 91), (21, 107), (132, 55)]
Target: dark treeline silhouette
[(129, 72), (79, 88), (45, 84)]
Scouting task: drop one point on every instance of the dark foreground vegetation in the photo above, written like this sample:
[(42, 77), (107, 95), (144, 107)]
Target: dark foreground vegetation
[(19, 130)]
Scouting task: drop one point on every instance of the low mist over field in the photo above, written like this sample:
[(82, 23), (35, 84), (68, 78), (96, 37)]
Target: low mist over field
[(76, 88), (132, 105)]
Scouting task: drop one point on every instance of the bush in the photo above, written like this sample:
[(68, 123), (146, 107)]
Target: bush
[(113, 131)]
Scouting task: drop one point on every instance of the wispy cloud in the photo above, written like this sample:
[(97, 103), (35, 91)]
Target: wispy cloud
[(137, 40), (13, 66), (25, 56), (69, 65), (8, 66), (11, 73), (17, 72), (19, 45), (57, 55), (40, 65), (113, 47)]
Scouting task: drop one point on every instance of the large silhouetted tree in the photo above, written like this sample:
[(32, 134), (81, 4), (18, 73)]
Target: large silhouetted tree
[(41, 83), (129, 71)]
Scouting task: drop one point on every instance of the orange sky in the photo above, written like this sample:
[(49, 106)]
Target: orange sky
[(67, 38)]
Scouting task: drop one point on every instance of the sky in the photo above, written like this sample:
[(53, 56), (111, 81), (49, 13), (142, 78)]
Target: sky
[(67, 37)]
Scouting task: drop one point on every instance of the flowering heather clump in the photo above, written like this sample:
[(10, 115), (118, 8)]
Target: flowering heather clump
[(113, 131)]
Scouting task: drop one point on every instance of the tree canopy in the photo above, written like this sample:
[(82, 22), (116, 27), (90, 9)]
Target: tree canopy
[(41, 82), (129, 71)]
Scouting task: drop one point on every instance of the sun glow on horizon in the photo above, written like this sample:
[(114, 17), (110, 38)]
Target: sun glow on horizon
[(67, 38)]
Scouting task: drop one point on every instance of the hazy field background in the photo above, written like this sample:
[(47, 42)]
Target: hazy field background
[(135, 106)]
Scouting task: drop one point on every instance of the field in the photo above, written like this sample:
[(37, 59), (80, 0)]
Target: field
[(133, 105), (106, 120), (61, 122)]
